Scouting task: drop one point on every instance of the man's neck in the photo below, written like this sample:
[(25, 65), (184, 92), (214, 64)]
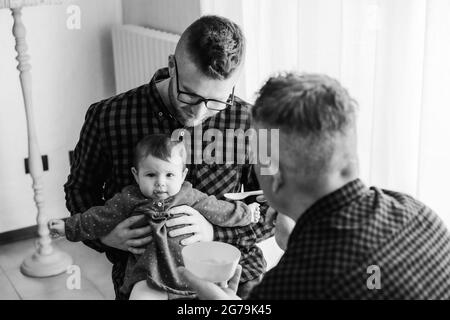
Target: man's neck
[(163, 90), (303, 200)]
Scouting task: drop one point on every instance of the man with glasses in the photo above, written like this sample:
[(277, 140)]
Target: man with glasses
[(193, 99), (196, 90)]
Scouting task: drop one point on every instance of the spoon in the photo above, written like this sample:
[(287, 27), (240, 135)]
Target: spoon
[(242, 195)]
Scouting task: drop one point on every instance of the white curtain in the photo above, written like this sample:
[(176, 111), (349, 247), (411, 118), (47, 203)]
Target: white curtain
[(394, 58)]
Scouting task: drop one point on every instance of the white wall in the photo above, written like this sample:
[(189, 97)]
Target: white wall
[(168, 15), (70, 70)]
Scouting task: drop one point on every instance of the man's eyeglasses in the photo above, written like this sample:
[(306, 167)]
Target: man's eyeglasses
[(194, 99)]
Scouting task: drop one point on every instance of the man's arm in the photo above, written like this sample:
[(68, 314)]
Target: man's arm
[(247, 236), (84, 187)]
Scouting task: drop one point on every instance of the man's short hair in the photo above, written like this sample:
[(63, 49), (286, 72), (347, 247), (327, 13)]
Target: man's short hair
[(308, 104), (316, 117), (159, 146), (216, 45)]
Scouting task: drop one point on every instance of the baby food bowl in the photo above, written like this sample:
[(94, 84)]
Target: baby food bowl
[(212, 261)]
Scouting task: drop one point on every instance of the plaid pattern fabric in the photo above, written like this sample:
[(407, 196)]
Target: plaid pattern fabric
[(103, 158), (337, 240)]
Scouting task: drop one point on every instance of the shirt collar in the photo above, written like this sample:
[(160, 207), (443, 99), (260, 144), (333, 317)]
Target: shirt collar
[(160, 107), (330, 203), (160, 74)]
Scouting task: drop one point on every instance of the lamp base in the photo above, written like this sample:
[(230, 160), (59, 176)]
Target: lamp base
[(40, 266)]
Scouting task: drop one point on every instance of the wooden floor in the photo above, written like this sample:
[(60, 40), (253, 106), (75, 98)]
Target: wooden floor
[(95, 269)]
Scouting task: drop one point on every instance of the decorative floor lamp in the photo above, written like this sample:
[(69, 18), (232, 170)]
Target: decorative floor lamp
[(45, 261)]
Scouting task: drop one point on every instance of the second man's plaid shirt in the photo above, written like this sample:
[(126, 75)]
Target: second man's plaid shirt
[(351, 236), (103, 158)]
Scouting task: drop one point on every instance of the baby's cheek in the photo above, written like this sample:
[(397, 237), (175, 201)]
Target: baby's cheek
[(147, 190), (174, 188)]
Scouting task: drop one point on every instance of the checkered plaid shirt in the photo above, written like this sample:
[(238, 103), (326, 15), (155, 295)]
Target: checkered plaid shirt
[(356, 238), (103, 157)]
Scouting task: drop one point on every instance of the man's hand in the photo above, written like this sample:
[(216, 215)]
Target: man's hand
[(126, 239), (195, 223), (209, 291)]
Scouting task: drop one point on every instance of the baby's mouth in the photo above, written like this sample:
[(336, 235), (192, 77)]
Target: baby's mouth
[(159, 192)]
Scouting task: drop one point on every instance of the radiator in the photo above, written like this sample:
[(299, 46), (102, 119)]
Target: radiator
[(138, 53)]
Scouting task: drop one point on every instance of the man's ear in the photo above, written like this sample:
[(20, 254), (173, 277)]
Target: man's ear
[(135, 174), (171, 64), (277, 181)]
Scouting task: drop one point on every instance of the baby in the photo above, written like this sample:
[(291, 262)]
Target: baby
[(159, 170)]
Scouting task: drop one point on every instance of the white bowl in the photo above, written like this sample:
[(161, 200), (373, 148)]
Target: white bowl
[(212, 261)]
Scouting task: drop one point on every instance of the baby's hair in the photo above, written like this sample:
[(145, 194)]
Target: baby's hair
[(159, 146)]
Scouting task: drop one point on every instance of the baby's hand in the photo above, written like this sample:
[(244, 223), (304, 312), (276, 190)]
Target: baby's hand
[(254, 209), (57, 228)]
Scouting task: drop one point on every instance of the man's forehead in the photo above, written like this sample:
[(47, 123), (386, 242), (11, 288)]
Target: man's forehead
[(193, 80)]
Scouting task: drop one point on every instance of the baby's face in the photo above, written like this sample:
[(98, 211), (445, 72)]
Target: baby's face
[(160, 179)]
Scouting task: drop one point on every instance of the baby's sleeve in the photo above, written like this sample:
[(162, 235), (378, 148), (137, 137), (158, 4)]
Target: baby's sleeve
[(222, 213), (98, 221)]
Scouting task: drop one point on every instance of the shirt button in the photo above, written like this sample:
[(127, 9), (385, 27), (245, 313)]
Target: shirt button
[(159, 204), (182, 133), (160, 114)]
